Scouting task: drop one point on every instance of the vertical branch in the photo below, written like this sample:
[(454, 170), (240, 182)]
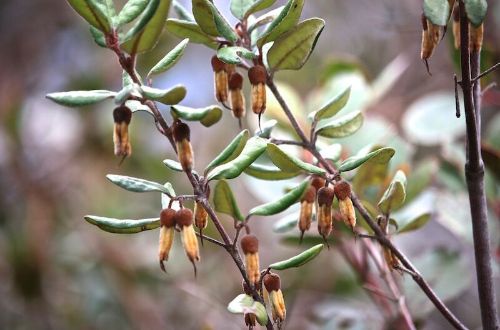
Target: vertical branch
[(474, 172)]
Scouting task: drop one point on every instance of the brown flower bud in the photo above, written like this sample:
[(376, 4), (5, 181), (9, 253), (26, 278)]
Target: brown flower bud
[(184, 219), (475, 37), (250, 247), (342, 190), (250, 319), (306, 210), (317, 182), (258, 76), (220, 79), (325, 199), (272, 284), (167, 223), (236, 97), (122, 116), (347, 210), (200, 216), (184, 149)]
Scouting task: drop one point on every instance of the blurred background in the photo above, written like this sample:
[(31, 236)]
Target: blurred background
[(59, 272)]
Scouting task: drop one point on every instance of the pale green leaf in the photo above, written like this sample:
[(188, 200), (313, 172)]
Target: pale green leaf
[(341, 127), (299, 259), (123, 226), (224, 201), (170, 59), (80, 98)]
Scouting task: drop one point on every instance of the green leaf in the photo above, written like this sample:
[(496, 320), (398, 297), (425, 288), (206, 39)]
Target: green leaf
[(287, 223), (98, 37), (80, 98), (230, 170), (224, 201), (262, 20), (332, 107), (223, 27), (204, 16), (260, 312), (437, 11), (230, 152), (146, 35), (165, 199), (93, 12), (286, 19), (239, 304), (130, 11), (173, 165), (272, 173), (298, 260), (170, 59), (135, 106), (291, 50), (395, 194), (382, 155), (414, 223), (266, 129), (125, 226), (136, 184), (170, 96), (185, 29), (371, 173), (289, 163), (182, 12), (282, 203), (233, 54), (476, 11), (206, 116), (126, 92), (241, 9), (341, 127)]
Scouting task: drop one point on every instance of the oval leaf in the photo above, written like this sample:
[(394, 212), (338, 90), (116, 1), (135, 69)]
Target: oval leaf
[(170, 59), (407, 225), (93, 12), (395, 194), (282, 203), (230, 152), (185, 29), (272, 173), (230, 170), (182, 12), (202, 12), (241, 9), (289, 163), (382, 155), (146, 38), (291, 50), (165, 199), (130, 11), (224, 201), (223, 26), (476, 11), (341, 127), (266, 129), (136, 184), (437, 11), (125, 226), (206, 116), (233, 54), (286, 19), (80, 98), (333, 106), (170, 96), (298, 260), (173, 165)]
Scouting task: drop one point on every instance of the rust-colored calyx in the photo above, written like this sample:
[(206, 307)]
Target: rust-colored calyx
[(325, 196), (181, 132), (249, 244), (342, 190), (167, 218), (122, 114), (184, 217), (317, 182), (257, 75), (235, 81), (272, 282), (309, 195), (217, 65)]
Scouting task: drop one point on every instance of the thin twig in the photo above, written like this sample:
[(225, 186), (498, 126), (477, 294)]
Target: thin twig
[(210, 239), (474, 172), (478, 77)]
